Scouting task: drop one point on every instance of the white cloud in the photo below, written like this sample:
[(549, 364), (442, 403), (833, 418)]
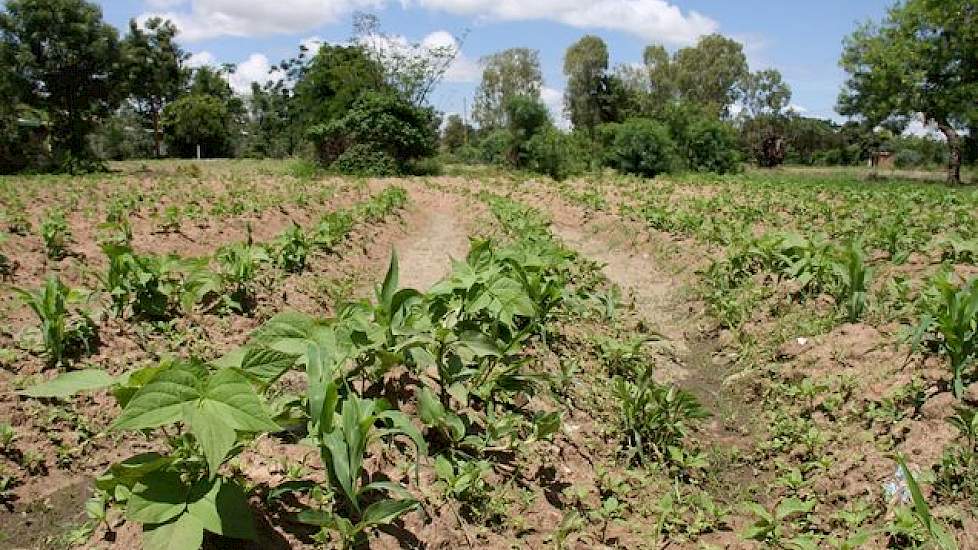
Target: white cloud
[(254, 69), (656, 20), (554, 100), (797, 108), (463, 68), (202, 19), (201, 59)]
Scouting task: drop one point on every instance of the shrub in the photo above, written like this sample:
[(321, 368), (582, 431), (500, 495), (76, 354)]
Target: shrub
[(711, 146), (554, 153), (641, 147), (377, 123), (363, 160)]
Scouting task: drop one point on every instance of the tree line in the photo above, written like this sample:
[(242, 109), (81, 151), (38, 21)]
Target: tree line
[(73, 92)]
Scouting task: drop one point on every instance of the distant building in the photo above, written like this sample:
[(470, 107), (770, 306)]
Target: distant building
[(881, 159)]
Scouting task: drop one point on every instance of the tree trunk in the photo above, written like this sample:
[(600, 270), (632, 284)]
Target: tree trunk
[(156, 132), (954, 152)]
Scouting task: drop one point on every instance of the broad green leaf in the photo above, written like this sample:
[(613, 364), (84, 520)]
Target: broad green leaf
[(479, 344), (131, 470), (213, 434), (792, 506), (161, 400), (157, 498), (288, 332), (386, 511), (183, 533), (229, 395), (71, 383), (223, 509), (266, 365)]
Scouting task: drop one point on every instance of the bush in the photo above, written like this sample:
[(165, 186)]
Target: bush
[(555, 154), (195, 120), (362, 160), (908, 158), (493, 147), (711, 146), (641, 147), (378, 123)]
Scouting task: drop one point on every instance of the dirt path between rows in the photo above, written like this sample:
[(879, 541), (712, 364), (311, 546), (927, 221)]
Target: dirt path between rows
[(656, 276), (437, 233)]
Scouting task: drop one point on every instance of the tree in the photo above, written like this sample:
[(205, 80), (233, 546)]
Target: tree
[(67, 60), (379, 123), (456, 133), (585, 65), (526, 117), (922, 59), (414, 69), (198, 119), (154, 68), (507, 74), (327, 85), (710, 72), (765, 93), (269, 132), (661, 74), (640, 146)]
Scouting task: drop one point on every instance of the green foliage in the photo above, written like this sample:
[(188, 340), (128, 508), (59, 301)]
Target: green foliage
[(711, 146), (382, 123), (921, 511), (654, 417), (64, 59), (64, 329), (56, 235), (854, 278), (507, 74), (198, 119), (771, 527), (555, 154), (640, 147), (292, 249), (363, 160), (950, 324), (153, 63), (585, 64), (917, 60)]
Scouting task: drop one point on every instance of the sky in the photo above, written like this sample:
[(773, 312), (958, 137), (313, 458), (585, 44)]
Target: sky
[(801, 39)]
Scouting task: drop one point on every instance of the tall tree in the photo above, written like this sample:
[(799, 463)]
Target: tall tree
[(586, 66), (507, 74), (921, 59), (661, 75), (154, 66), (710, 73), (328, 85), (412, 68), (765, 93), (68, 61)]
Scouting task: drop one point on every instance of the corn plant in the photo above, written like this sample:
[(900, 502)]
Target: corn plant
[(951, 323), (56, 235), (63, 328), (853, 279), (921, 511), (343, 445), (654, 417)]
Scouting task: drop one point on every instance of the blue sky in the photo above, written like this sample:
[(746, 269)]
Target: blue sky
[(801, 39)]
